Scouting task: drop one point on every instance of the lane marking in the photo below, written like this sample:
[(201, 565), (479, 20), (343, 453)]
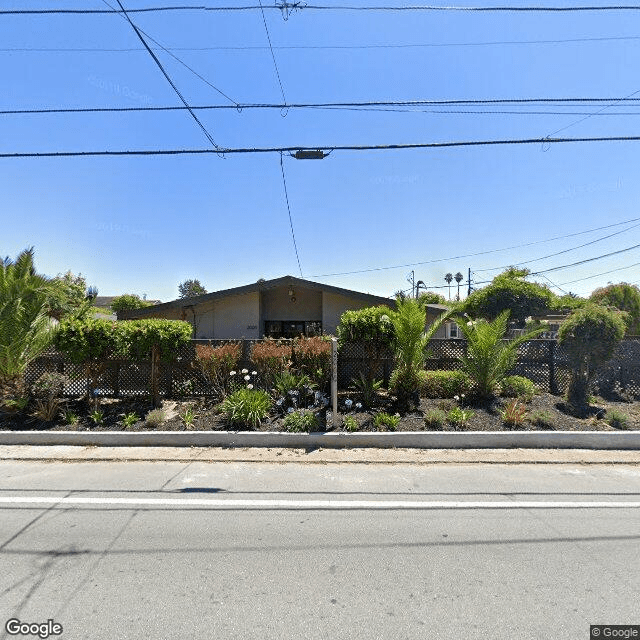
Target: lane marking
[(317, 504)]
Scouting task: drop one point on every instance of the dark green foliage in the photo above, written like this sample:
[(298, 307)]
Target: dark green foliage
[(300, 421), (590, 336), (510, 291), (624, 297), (247, 407), (70, 296), (368, 389), (445, 384), (435, 419), (191, 288), (517, 387), (429, 297), (128, 302)]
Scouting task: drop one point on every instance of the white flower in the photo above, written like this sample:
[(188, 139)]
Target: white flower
[(232, 373), (245, 371), (254, 373), (348, 403), (247, 378), (358, 405), (456, 398), (290, 410), (249, 386)]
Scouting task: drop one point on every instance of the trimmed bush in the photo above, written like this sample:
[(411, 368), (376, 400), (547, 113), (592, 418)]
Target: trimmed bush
[(247, 407), (445, 384), (518, 387)]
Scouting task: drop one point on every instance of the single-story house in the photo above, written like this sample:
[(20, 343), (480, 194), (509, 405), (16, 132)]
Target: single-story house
[(284, 307)]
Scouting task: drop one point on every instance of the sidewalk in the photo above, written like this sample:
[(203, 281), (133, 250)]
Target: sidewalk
[(319, 456)]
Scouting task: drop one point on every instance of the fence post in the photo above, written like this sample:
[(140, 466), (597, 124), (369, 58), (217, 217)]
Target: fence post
[(553, 385), (334, 381)]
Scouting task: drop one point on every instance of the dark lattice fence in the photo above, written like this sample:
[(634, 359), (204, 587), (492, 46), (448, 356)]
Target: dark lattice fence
[(543, 361)]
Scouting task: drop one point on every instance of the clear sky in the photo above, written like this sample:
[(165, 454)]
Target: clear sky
[(144, 224)]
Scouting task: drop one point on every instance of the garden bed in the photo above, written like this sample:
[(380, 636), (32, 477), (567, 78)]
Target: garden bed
[(544, 412)]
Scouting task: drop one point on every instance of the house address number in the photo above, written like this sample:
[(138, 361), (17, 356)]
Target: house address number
[(252, 326)]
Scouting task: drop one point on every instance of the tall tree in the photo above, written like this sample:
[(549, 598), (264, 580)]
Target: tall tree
[(459, 278), (191, 289), (621, 296), (448, 278)]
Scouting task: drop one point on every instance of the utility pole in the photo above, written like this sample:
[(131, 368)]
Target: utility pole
[(411, 277), (469, 281)]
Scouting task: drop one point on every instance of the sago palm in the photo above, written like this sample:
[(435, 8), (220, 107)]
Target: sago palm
[(489, 356), (25, 327)]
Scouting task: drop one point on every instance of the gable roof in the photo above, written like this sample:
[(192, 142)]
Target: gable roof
[(261, 285)]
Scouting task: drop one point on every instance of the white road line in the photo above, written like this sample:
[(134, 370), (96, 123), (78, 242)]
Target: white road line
[(315, 504)]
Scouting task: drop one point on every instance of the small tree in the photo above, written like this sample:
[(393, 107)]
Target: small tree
[(410, 343), (372, 328), (489, 356), (624, 297), (430, 297), (69, 296), (509, 291), (128, 301), (191, 289), (590, 336)]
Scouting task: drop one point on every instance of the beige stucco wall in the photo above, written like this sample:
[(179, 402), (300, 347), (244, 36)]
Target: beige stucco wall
[(441, 333), (235, 317), (334, 305), (277, 305)]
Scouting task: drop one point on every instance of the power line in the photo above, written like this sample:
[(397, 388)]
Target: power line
[(573, 264), (166, 75), (284, 6), (312, 47), (325, 149), (293, 235), (175, 57), (603, 273), (473, 255), (273, 55), (558, 253), (347, 105)]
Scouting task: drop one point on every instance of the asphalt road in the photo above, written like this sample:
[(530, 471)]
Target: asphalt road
[(249, 550)]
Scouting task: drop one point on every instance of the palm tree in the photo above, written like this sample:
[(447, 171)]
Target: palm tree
[(459, 278), (25, 326), (448, 278)]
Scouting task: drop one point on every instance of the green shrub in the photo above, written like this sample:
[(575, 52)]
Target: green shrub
[(514, 413), (350, 423), (155, 418), (128, 301), (247, 407), (129, 420), (589, 336), (542, 419), (97, 417), (300, 421), (445, 384), (518, 387), (70, 417), (617, 419), (435, 419), (459, 418), (368, 389), (386, 421)]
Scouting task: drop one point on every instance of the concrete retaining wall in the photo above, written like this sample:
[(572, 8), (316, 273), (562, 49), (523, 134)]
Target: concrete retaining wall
[(408, 439)]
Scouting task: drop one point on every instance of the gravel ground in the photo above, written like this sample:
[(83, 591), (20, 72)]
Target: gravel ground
[(544, 412)]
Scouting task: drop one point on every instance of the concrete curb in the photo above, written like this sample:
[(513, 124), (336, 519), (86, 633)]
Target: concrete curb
[(405, 439)]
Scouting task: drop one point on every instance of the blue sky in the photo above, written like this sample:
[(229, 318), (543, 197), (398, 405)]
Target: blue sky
[(144, 224)]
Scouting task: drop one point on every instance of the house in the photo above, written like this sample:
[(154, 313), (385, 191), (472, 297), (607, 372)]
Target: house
[(284, 307)]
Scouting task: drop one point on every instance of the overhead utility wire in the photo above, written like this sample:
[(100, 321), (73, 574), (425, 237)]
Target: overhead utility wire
[(166, 75), (326, 46), (273, 55), (283, 6), (175, 57), (558, 253), (574, 264), (339, 105), (603, 273), (293, 235), (473, 255), (324, 149)]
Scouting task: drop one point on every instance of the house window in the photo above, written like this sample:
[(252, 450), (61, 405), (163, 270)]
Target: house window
[(292, 328), (452, 330)]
